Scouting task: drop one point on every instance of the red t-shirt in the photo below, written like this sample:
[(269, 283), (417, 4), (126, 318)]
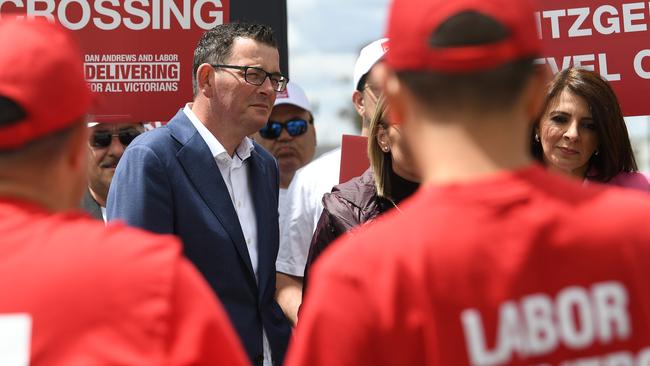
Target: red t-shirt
[(73, 292), (521, 268)]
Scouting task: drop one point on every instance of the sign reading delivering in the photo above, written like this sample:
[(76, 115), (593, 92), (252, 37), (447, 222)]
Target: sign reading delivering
[(609, 37), (138, 54)]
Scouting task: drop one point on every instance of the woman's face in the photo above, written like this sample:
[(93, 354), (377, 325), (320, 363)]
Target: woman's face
[(568, 134), (390, 139)]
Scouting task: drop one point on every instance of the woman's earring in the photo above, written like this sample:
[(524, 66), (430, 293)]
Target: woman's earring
[(596, 153), (385, 148), (537, 137)]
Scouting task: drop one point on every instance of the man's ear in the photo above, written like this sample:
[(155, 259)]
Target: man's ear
[(204, 80), (357, 100), (394, 92)]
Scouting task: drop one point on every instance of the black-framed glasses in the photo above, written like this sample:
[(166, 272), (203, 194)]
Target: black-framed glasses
[(256, 76), (294, 127), (102, 139)]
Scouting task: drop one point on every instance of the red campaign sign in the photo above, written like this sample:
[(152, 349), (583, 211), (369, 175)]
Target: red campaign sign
[(611, 37), (137, 53), (354, 157)]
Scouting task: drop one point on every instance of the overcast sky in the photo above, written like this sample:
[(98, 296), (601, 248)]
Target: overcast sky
[(325, 37)]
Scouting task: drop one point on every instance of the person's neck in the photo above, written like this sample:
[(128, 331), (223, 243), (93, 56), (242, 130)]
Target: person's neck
[(219, 127), (29, 192), (285, 180), (99, 195), (468, 148)]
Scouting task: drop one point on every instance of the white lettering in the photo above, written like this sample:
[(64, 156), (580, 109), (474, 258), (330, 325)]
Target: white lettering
[(141, 13), (538, 313), (17, 3), (45, 13), (537, 325), (217, 16), (182, 18), (99, 7), (610, 300), (576, 333), (644, 357), (619, 359), (63, 16), (613, 24), (566, 63), (135, 15), (554, 15), (575, 30), (638, 64), (628, 18), (604, 72), (475, 340), (579, 61)]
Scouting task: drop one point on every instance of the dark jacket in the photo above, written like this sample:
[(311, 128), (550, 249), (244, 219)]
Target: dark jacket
[(91, 206), (349, 205), (168, 182)]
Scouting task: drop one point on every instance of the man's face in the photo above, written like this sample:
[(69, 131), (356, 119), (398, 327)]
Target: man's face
[(104, 158), (291, 152), (245, 106)]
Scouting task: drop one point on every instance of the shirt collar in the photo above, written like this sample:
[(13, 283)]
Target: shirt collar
[(243, 151)]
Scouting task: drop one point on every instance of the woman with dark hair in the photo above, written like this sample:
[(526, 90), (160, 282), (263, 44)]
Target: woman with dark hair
[(582, 133), (390, 179)]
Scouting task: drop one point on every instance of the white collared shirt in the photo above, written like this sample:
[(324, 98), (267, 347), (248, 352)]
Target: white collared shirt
[(234, 171)]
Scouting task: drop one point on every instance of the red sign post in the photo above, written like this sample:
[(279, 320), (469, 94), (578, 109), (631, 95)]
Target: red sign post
[(610, 37)]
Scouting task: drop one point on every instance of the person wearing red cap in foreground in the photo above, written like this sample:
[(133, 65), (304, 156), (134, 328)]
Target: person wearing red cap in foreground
[(494, 261), (73, 291)]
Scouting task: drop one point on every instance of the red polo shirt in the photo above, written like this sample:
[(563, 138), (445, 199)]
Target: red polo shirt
[(521, 268), (77, 293)]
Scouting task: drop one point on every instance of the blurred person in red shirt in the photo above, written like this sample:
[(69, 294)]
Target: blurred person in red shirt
[(494, 260), (74, 291)]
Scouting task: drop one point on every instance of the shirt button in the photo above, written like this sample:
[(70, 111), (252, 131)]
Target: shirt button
[(238, 204)]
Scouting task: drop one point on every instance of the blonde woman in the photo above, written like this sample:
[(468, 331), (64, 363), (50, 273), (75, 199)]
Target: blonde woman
[(390, 179)]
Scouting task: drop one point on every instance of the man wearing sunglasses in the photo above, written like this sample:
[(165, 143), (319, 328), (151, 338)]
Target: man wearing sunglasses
[(202, 178), (289, 135), (107, 141)]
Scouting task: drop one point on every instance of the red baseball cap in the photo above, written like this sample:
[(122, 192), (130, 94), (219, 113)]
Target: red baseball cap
[(412, 23), (41, 70)]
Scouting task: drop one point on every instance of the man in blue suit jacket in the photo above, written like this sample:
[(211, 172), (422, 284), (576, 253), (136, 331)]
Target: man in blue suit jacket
[(200, 177)]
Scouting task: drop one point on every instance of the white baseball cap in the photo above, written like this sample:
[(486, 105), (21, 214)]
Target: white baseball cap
[(293, 95), (368, 57), (94, 120)]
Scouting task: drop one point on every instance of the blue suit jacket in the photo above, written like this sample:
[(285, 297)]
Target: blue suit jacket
[(168, 182)]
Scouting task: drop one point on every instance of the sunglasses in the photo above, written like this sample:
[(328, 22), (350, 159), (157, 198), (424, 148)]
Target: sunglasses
[(102, 139), (273, 129)]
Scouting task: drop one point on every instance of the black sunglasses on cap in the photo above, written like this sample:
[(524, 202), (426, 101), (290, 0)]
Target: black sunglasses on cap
[(294, 127), (102, 139)]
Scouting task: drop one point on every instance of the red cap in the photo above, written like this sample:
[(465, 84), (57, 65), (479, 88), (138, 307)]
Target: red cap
[(41, 70), (413, 22)]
